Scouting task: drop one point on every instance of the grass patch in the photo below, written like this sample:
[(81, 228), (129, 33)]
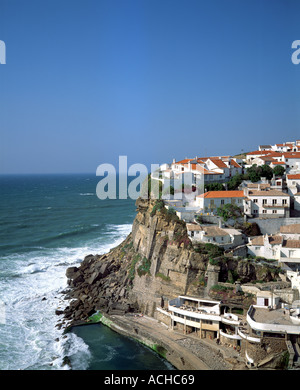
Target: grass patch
[(163, 277)]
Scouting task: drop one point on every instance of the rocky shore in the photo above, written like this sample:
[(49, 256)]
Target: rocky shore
[(156, 262)]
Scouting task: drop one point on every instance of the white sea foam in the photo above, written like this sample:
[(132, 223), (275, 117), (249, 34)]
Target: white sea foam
[(28, 338)]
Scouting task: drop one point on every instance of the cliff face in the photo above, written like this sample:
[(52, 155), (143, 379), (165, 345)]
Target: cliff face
[(156, 261), (173, 268)]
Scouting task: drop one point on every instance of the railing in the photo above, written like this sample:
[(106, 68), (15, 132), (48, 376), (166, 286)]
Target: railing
[(277, 328), (230, 336), (249, 338)]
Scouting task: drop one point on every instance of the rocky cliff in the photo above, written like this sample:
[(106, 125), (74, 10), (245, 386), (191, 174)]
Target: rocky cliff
[(156, 262)]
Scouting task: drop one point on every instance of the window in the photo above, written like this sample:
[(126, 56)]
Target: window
[(264, 211), (292, 253), (254, 200), (284, 201), (257, 248), (264, 201), (255, 211), (274, 211), (222, 201), (274, 201)]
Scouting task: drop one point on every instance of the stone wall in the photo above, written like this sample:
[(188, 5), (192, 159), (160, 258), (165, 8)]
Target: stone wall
[(269, 346), (272, 225)]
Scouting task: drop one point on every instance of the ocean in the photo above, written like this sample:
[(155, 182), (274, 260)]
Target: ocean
[(47, 224)]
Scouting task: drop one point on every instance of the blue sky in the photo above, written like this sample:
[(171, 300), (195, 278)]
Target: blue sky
[(89, 80)]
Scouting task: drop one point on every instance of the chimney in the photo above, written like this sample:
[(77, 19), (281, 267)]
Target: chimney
[(258, 187)]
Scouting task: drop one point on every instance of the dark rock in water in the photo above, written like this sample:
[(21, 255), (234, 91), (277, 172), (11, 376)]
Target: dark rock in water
[(59, 312), (44, 299), (66, 360), (71, 272)]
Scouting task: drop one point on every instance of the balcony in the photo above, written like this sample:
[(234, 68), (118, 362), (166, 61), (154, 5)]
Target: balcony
[(230, 336)]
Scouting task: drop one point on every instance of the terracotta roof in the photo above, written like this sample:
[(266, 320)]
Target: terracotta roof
[(278, 163), (235, 164), (275, 240), (256, 152), (214, 231), (222, 194), (291, 244), (293, 177), (267, 193), (218, 162), (267, 158), (292, 155), (259, 241), (193, 227), (262, 185), (265, 153), (185, 161), (291, 229)]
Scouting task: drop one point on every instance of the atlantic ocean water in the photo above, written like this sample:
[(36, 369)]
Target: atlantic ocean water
[(47, 224)]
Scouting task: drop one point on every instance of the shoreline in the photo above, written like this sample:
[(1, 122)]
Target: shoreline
[(184, 352)]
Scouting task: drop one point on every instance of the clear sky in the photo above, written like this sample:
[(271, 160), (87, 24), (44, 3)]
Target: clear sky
[(89, 80)]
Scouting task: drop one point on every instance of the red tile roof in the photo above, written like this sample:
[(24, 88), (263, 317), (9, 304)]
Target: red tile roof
[(293, 177), (222, 194), (291, 155), (218, 162)]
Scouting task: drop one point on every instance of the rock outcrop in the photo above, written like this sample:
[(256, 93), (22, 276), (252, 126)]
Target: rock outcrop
[(156, 262)]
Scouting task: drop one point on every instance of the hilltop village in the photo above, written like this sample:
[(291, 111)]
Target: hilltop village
[(213, 262), (259, 189)]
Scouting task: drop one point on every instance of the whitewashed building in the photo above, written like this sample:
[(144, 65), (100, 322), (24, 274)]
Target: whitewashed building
[(227, 238), (266, 203), (211, 200)]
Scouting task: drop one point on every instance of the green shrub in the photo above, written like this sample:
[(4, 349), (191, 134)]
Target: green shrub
[(158, 206), (134, 261), (144, 268), (213, 262)]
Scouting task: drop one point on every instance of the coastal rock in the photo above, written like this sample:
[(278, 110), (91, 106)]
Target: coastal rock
[(157, 259)]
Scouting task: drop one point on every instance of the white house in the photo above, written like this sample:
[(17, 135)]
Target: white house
[(227, 238), (275, 247), (290, 232), (266, 203), (293, 183), (211, 200), (292, 161)]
